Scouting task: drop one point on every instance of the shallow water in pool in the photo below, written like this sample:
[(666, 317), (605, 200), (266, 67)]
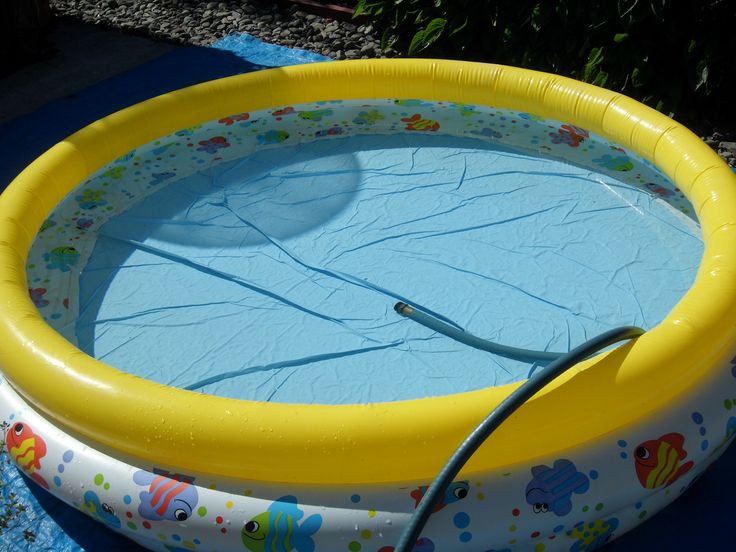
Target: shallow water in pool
[(274, 277)]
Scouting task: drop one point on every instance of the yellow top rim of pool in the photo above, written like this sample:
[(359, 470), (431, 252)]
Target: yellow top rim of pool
[(379, 442)]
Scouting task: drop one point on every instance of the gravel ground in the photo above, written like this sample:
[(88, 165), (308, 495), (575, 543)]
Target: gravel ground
[(200, 23)]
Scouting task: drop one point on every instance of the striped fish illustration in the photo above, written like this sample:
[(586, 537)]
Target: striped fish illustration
[(278, 529), (551, 489), (169, 496), (658, 462), (26, 449), (415, 122)]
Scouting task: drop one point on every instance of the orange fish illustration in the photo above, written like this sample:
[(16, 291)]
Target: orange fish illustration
[(415, 122), (26, 449), (659, 462)]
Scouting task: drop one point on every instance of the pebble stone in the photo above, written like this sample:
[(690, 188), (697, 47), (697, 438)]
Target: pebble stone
[(202, 23)]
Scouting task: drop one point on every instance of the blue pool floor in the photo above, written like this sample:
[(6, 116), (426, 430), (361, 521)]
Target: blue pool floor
[(700, 519)]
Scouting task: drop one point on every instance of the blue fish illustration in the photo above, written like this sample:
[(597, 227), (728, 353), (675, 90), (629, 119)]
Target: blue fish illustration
[(169, 496), (272, 137), (160, 177), (48, 223), (465, 109), (99, 510), (592, 536), (368, 117), (315, 115), (332, 131), (126, 157), (278, 529), (457, 490), (83, 223), (91, 199), (185, 132), (487, 132), (62, 257), (551, 489), (37, 297), (412, 103), (619, 163)]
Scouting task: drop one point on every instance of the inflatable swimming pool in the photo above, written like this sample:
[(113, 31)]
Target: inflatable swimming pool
[(207, 436)]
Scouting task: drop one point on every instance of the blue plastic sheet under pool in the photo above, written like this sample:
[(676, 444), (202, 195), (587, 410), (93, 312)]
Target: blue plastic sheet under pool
[(273, 277)]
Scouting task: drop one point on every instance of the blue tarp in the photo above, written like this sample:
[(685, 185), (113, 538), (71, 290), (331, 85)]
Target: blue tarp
[(701, 519)]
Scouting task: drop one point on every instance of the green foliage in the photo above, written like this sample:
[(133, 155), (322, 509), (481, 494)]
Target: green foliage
[(675, 55)]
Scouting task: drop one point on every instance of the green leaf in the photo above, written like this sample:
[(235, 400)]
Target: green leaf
[(454, 28), (620, 37), (595, 58), (637, 77), (360, 8), (536, 17), (388, 39), (702, 71), (427, 36)]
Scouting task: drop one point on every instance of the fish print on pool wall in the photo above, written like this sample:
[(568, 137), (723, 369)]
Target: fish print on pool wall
[(61, 258), (416, 122), (658, 462), (551, 489), (99, 510), (454, 492), (169, 496), (278, 529), (26, 449)]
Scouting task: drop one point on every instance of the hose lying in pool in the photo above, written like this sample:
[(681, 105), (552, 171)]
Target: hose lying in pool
[(471, 340), (508, 406)]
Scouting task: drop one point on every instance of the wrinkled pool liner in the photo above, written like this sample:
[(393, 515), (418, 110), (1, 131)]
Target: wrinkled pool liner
[(273, 277)]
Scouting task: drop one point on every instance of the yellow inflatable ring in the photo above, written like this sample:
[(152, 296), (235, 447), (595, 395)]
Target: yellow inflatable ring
[(370, 443)]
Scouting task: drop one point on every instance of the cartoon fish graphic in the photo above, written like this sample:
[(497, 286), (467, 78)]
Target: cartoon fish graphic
[(26, 449), (99, 510), (487, 133), (315, 115), (116, 173), (412, 103), (84, 223), (232, 119), (368, 117), (416, 122), (169, 496), (278, 529), (189, 131), (91, 199), (37, 297), (284, 112), (332, 131), (213, 144), (591, 536), (551, 488), (125, 157), (661, 191), (532, 117), (465, 109), (272, 137), (62, 257), (570, 135), (157, 178), (658, 462), (457, 490), (48, 223), (619, 163)]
